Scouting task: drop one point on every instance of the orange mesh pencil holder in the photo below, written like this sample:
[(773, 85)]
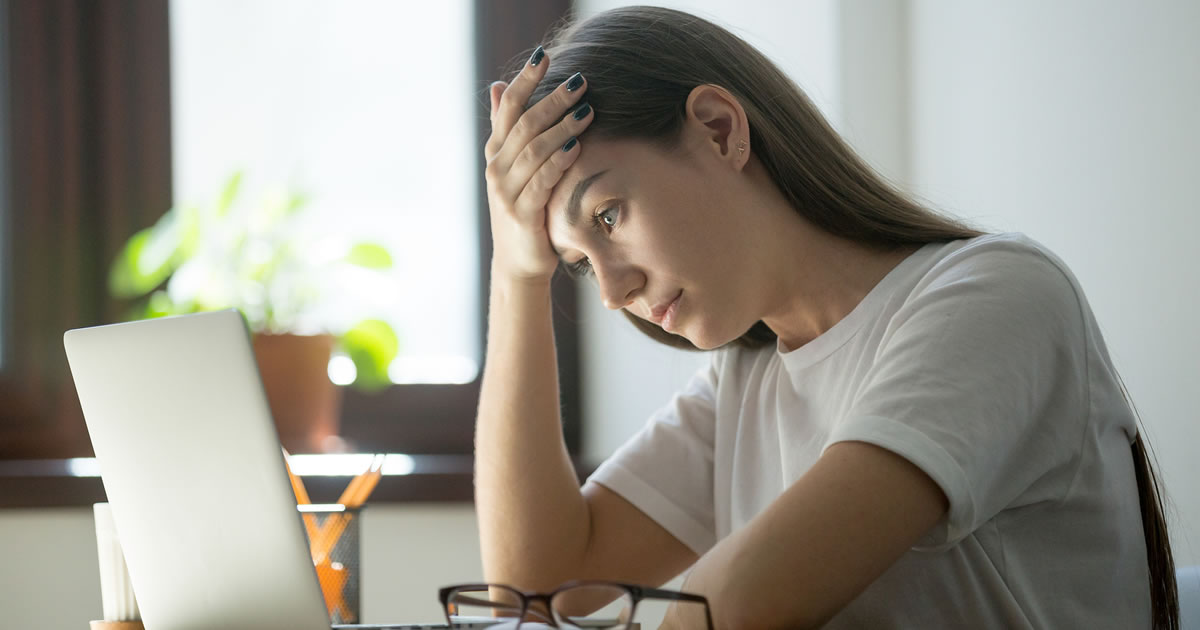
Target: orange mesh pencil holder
[(333, 538)]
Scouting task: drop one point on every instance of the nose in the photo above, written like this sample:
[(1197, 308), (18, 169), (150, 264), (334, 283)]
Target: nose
[(619, 284)]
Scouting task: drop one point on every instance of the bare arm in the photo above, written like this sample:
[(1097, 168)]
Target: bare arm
[(533, 520), (537, 528), (818, 545)]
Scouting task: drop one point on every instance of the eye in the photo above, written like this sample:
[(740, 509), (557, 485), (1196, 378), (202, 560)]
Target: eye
[(605, 219), (608, 217), (582, 269)]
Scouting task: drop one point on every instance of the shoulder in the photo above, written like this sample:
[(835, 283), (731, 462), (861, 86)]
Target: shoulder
[(1009, 268)]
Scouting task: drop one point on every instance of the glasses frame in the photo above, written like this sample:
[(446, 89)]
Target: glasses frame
[(636, 594)]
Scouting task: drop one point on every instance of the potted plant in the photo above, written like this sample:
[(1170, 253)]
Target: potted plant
[(282, 273)]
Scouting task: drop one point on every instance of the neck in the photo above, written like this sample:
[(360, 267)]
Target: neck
[(821, 281)]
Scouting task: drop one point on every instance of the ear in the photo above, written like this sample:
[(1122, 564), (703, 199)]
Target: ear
[(716, 116)]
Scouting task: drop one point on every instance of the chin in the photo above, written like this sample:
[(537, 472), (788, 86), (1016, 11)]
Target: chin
[(707, 339), (707, 346)]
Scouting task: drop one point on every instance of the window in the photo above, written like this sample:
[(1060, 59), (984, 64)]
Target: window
[(365, 108), (88, 106)]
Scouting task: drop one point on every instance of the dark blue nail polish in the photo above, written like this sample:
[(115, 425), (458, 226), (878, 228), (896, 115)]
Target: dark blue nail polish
[(536, 57), (575, 82), (570, 144), (583, 111)]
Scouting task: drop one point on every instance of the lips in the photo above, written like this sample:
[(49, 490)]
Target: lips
[(657, 313)]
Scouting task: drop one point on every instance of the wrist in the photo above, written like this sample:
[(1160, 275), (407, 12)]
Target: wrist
[(510, 281)]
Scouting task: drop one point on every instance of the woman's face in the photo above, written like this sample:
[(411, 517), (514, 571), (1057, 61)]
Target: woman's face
[(655, 228)]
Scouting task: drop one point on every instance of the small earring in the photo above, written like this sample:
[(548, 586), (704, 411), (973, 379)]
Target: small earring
[(741, 147)]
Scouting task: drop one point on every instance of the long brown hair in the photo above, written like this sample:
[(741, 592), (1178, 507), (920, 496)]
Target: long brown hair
[(641, 64)]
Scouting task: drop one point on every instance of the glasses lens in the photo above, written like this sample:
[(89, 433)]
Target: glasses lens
[(592, 606), (483, 604)]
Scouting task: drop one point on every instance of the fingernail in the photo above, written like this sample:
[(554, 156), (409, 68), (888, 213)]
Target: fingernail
[(570, 144), (536, 57), (583, 111), (574, 82)]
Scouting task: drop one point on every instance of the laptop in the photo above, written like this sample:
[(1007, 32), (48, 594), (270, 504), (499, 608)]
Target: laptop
[(195, 476)]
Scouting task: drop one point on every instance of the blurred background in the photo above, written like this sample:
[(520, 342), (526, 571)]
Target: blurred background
[(319, 165)]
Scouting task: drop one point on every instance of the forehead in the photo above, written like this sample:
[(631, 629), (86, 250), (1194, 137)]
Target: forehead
[(618, 160), (594, 156)]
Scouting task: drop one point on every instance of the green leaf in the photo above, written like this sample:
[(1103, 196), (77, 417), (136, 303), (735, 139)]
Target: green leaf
[(128, 276), (151, 255), (295, 202), (370, 255), (161, 250), (160, 304), (372, 345), (228, 193), (191, 234)]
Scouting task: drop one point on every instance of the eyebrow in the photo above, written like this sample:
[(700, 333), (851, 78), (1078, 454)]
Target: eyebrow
[(575, 204), (574, 208)]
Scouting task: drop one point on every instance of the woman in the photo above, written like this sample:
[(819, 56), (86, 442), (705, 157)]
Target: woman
[(906, 422)]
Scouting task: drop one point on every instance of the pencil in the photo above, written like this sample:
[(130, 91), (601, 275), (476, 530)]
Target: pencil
[(354, 496), (297, 486), (310, 522), (367, 485)]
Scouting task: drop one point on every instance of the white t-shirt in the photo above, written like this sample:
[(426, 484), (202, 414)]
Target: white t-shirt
[(981, 363)]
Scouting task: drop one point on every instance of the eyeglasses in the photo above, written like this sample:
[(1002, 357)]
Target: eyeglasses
[(567, 606)]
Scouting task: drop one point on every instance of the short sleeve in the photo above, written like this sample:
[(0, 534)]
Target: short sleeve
[(981, 381), (666, 469)]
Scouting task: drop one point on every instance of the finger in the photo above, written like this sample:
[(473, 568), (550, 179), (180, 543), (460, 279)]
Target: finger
[(531, 158), (496, 90), (515, 95), (530, 206), (540, 117)]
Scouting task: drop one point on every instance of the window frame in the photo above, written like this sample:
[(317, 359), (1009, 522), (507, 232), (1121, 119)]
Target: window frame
[(86, 103), (5, 161)]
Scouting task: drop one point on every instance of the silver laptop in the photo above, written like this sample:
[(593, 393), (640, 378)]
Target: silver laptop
[(195, 476)]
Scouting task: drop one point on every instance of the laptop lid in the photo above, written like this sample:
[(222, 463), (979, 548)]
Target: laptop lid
[(194, 474)]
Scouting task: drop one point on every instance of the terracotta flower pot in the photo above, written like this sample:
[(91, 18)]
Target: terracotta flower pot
[(304, 403)]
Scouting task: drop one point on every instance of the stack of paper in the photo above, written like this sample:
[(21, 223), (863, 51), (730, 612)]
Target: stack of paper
[(116, 591)]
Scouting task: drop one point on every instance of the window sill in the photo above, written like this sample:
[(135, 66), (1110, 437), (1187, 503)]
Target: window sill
[(47, 483)]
